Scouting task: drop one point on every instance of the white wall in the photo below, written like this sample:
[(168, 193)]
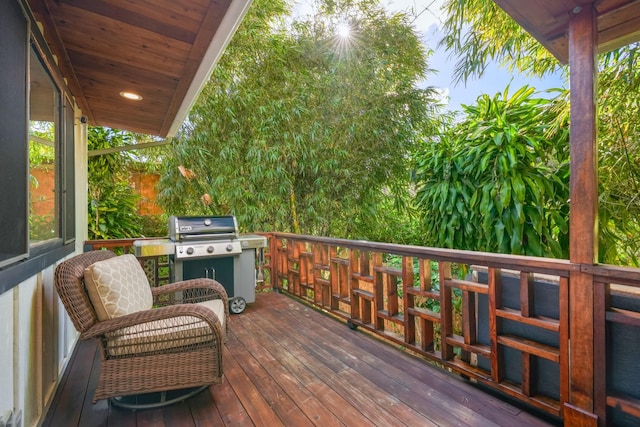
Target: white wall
[(6, 351), (27, 349), (36, 335)]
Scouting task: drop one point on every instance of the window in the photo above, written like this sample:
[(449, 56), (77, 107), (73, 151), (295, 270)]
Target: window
[(37, 200), (44, 143)]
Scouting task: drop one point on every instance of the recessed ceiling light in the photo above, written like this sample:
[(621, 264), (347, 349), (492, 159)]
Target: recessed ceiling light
[(131, 95)]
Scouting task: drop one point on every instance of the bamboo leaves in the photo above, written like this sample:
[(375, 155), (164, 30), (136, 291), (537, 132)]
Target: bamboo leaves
[(303, 136), (112, 201)]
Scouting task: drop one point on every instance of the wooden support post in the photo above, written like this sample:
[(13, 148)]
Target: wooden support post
[(426, 325), (469, 324), (378, 291), (446, 311), (583, 213), (408, 300), (495, 324), (343, 280), (529, 373), (277, 262), (602, 303), (333, 278), (355, 274), (391, 290), (294, 267), (527, 300)]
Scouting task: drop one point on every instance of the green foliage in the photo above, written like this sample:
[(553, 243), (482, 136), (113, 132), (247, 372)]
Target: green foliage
[(299, 130), (112, 201), (153, 225), (498, 180), (41, 154), (618, 152), (479, 31), (42, 226), (147, 159)]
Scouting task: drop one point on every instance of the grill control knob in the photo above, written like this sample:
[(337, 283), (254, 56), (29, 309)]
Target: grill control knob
[(189, 251), (229, 247), (210, 249)]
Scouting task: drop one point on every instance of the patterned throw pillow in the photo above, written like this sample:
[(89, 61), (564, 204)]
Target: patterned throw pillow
[(118, 286)]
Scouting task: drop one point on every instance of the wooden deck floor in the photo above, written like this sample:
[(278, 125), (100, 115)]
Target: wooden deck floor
[(289, 365)]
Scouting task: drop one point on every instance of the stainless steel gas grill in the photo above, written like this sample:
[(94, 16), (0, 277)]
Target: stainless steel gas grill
[(204, 237), (210, 246)]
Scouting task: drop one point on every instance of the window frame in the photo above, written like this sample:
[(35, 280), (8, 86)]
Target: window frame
[(36, 257), (58, 140)]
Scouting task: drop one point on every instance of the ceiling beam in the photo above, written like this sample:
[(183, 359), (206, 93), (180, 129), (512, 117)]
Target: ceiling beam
[(100, 152)]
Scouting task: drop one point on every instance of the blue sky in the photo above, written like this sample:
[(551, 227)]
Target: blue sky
[(427, 24), (494, 80)]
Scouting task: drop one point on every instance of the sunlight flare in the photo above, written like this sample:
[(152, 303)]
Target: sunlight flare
[(343, 31)]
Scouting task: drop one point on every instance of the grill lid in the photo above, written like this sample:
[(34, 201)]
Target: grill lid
[(183, 228)]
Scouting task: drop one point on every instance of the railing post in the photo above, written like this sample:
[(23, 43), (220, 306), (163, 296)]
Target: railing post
[(408, 300), (278, 260), (446, 311), (378, 286), (426, 286), (334, 277), (495, 323)]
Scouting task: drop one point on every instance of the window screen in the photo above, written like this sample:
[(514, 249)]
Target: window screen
[(14, 243)]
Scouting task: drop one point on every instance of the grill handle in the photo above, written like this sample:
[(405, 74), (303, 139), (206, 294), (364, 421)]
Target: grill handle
[(213, 273)]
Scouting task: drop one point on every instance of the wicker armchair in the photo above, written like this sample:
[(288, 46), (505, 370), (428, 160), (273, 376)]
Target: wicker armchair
[(177, 344)]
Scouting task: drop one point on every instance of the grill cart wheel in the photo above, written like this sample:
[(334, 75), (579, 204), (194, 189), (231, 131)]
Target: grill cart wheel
[(237, 305)]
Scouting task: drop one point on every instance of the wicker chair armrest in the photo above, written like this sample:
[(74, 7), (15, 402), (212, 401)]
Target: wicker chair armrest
[(161, 313), (213, 289)]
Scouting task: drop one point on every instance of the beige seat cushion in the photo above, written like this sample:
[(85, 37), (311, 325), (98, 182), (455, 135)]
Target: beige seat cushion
[(117, 286), (165, 334)]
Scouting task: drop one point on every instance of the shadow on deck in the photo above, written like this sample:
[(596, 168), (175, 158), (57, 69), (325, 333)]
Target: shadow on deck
[(280, 370)]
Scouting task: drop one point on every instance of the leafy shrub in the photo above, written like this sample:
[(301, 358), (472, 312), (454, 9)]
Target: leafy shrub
[(498, 181), (112, 201)]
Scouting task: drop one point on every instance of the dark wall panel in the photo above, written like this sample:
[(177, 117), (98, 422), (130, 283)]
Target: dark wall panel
[(14, 193)]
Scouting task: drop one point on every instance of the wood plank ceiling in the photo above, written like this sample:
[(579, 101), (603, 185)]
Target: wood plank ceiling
[(548, 22), (162, 50)]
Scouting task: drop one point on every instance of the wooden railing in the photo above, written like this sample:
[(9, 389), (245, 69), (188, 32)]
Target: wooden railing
[(500, 320), (462, 310), (617, 344)]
